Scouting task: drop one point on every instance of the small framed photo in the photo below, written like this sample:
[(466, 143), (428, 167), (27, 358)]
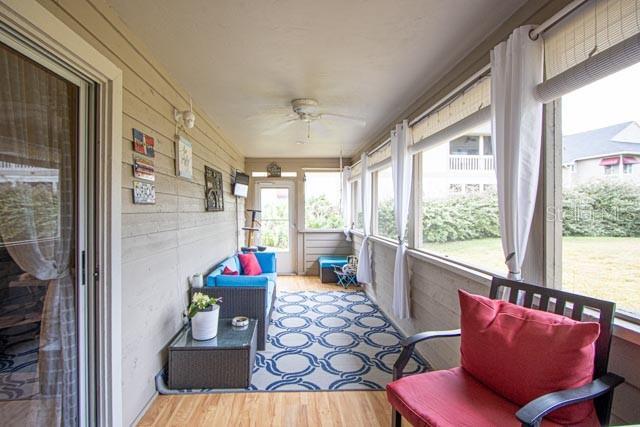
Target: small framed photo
[(144, 193), (184, 158)]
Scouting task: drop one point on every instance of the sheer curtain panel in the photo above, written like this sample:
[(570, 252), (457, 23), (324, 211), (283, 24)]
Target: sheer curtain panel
[(38, 133), (516, 69), (364, 260), (402, 174)]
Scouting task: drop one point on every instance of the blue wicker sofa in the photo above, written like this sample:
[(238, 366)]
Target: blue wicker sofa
[(251, 296)]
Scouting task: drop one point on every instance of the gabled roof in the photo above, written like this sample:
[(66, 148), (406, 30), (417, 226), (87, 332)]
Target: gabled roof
[(616, 139)]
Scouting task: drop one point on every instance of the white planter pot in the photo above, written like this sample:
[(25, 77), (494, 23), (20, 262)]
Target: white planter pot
[(204, 325)]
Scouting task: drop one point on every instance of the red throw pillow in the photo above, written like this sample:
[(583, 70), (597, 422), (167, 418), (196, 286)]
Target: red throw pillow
[(522, 353), (250, 264), (229, 272)]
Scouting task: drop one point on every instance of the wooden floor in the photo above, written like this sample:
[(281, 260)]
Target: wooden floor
[(309, 283), (326, 408)]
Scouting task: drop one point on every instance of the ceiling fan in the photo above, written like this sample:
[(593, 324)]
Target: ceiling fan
[(307, 110)]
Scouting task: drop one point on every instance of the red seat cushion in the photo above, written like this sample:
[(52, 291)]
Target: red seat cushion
[(455, 398), (229, 272), (250, 264), (522, 353)]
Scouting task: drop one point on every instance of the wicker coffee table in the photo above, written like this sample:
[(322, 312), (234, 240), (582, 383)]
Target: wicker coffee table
[(223, 362)]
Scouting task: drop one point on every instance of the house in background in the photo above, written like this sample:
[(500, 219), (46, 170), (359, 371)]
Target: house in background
[(612, 152), (463, 165)]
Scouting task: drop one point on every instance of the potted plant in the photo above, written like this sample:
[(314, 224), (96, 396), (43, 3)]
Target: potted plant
[(204, 312)]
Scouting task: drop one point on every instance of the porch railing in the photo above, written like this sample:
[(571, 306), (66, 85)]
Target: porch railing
[(471, 163)]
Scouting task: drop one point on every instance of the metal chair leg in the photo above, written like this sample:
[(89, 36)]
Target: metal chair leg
[(396, 418)]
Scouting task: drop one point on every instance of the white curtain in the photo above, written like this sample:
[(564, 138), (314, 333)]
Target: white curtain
[(401, 172), (37, 132), (364, 259), (345, 203), (516, 69)]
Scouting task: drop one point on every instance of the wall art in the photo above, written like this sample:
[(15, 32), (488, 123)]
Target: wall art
[(143, 168), (273, 170), (184, 158), (144, 193), (143, 144), (213, 191)]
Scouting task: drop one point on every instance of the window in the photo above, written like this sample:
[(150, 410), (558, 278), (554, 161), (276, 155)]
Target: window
[(386, 221), (460, 218), (357, 216), (487, 148), (601, 217), (465, 146), (322, 201)]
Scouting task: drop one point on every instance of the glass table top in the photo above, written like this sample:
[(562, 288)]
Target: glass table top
[(229, 336)]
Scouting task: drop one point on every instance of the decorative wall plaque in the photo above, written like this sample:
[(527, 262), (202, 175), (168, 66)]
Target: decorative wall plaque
[(184, 158), (144, 193), (273, 170), (213, 192), (143, 168), (143, 144)]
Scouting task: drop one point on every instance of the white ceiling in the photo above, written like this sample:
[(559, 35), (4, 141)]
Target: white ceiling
[(366, 58)]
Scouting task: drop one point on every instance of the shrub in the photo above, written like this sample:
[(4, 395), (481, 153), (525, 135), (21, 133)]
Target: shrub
[(386, 220), (463, 217), (602, 208)]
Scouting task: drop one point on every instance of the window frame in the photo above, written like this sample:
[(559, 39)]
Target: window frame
[(374, 205), (552, 176), (306, 229), (355, 193)]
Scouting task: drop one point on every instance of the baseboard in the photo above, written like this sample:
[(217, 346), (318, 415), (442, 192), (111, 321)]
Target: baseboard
[(144, 410)]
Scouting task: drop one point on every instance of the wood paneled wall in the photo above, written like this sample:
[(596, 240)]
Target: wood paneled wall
[(434, 306), (162, 244), (317, 244)]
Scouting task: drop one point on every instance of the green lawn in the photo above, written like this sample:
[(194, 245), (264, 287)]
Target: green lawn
[(603, 267)]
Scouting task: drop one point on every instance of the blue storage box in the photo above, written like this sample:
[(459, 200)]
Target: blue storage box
[(327, 265)]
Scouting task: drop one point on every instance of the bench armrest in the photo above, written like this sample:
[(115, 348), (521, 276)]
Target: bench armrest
[(408, 344), (532, 413)]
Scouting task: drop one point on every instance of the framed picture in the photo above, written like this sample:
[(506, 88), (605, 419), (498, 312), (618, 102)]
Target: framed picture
[(144, 193), (184, 158), (273, 170), (143, 168), (213, 192), (143, 144)]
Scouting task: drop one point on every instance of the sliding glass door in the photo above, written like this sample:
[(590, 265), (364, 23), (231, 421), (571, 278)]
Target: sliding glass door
[(44, 234)]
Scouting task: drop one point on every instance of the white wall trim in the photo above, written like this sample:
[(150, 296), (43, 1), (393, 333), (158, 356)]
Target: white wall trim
[(37, 24)]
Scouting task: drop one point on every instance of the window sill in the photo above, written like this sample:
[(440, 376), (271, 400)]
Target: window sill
[(627, 330), (331, 230), (454, 267)]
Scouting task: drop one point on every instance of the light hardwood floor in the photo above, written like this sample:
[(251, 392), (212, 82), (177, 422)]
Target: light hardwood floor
[(331, 408)]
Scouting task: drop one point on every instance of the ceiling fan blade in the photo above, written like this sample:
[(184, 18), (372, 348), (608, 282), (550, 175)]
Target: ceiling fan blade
[(320, 130), (279, 128), (357, 120), (282, 113)]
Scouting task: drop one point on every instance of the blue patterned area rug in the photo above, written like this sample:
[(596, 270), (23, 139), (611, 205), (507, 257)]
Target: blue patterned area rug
[(321, 341)]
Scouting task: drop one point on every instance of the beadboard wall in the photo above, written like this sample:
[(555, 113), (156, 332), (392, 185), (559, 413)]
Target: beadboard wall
[(162, 244)]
